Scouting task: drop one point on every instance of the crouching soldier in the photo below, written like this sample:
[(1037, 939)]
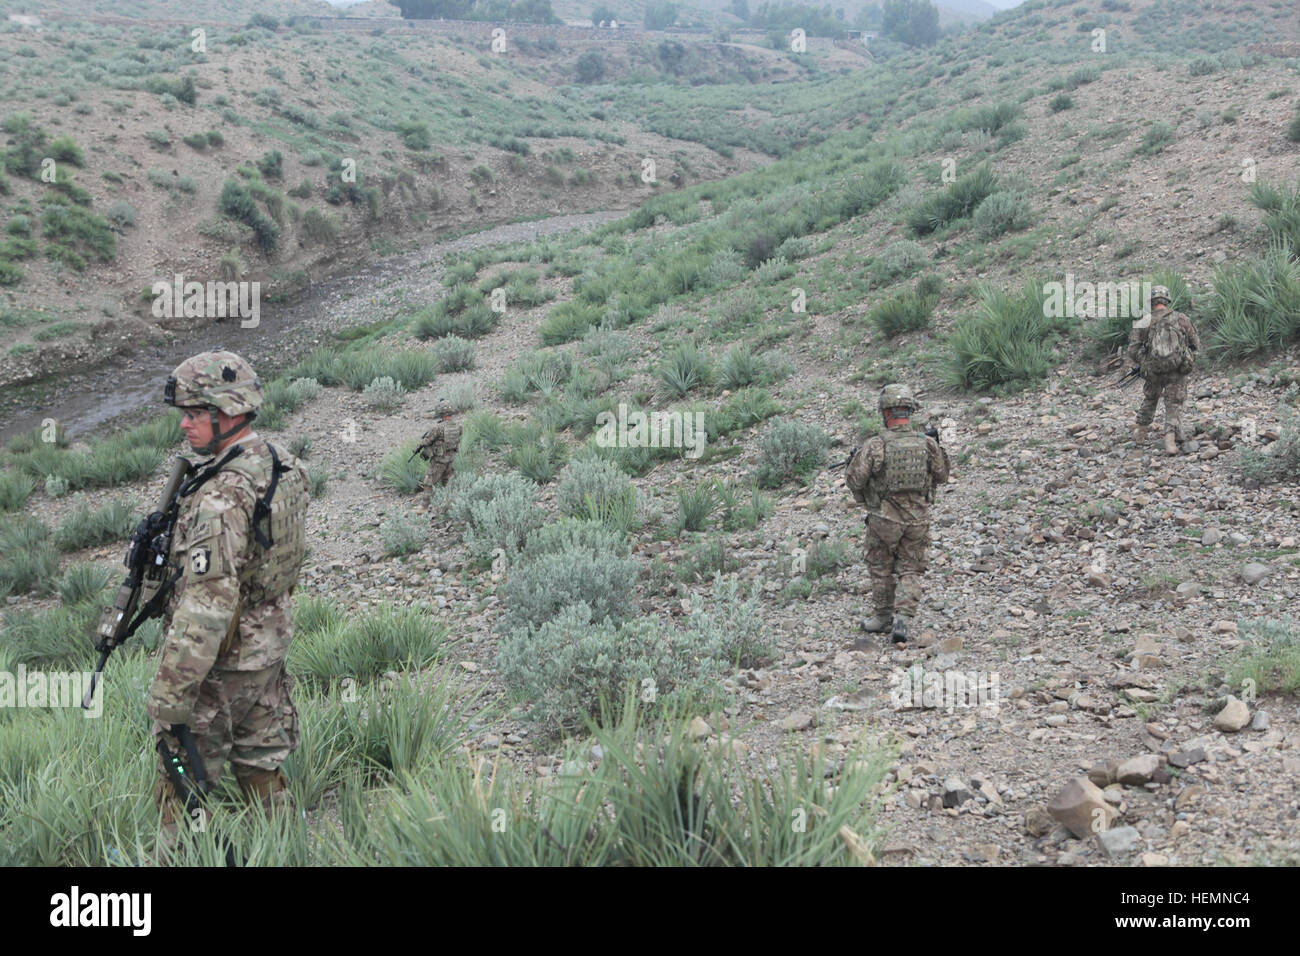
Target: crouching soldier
[(894, 474)]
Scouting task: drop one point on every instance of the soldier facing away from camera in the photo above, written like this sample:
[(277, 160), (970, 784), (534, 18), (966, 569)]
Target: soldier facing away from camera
[(239, 542), (894, 474), (439, 445), (1164, 346)]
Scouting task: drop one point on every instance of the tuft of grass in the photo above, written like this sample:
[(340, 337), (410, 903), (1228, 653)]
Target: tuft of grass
[(402, 473)]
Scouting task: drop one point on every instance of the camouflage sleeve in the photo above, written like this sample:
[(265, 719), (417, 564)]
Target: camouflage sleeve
[(208, 599), (866, 463), (939, 464), (1136, 340), (1192, 338)]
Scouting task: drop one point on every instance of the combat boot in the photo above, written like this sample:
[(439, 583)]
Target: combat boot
[(1171, 443), (1139, 433), (900, 629), (877, 623), (265, 787)]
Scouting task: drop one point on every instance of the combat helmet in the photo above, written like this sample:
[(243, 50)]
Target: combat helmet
[(219, 381), (1160, 293), (896, 395), (443, 409)]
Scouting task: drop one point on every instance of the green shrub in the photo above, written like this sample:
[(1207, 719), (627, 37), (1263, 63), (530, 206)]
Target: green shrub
[(495, 511), (15, 488), (74, 235), (1293, 130), (403, 533), (87, 527), (684, 369), (318, 225), (568, 321), (64, 149), (364, 647), (537, 457), (898, 260), (1281, 213), (955, 203), (788, 450), (590, 486), (744, 408), (696, 505), (1005, 345), (383, 394), (739, 367), (903, 313), (1256, 305), (27, 559), (85, 582), (399, 472), (1155, 139), (1270, 657), (1003, 212), (1060, 102), (237, 202), (454, 354)]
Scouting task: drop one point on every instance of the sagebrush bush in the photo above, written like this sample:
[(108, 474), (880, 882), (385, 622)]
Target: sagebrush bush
[(495, 511), (462, 395), (789, 449), (590, 483), (726, 267), (1003, 212), (403, 533), (898, 260), (773, 270), (739, 367), (454, 354), (568, 665), (541, 583), (383, 394)]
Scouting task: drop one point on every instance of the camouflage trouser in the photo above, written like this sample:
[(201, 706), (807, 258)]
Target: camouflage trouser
[(245, 716), (896, 560), (439, 473), (1174, 388)]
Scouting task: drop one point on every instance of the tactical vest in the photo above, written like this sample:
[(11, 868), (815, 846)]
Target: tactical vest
[(907, 463), (278, 528)]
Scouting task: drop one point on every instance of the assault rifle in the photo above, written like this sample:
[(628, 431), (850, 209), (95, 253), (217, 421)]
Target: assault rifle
[(147, 565), (1128, 376)]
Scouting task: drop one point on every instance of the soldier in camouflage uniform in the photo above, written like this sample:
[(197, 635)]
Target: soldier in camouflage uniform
[(240, 542), (439, 446), (1163, 374), (894, 474)]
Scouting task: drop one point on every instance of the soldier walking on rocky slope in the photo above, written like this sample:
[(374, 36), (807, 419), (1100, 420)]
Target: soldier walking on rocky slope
[(439, 446), (1164, 346), (894, 474)]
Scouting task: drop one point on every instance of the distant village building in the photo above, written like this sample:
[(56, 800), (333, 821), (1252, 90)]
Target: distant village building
[(859, 36)]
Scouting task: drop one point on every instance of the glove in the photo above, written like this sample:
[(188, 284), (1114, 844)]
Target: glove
[(932, 433)]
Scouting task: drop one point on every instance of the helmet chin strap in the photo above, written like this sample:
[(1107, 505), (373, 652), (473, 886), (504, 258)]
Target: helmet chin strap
[(219, 436)]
